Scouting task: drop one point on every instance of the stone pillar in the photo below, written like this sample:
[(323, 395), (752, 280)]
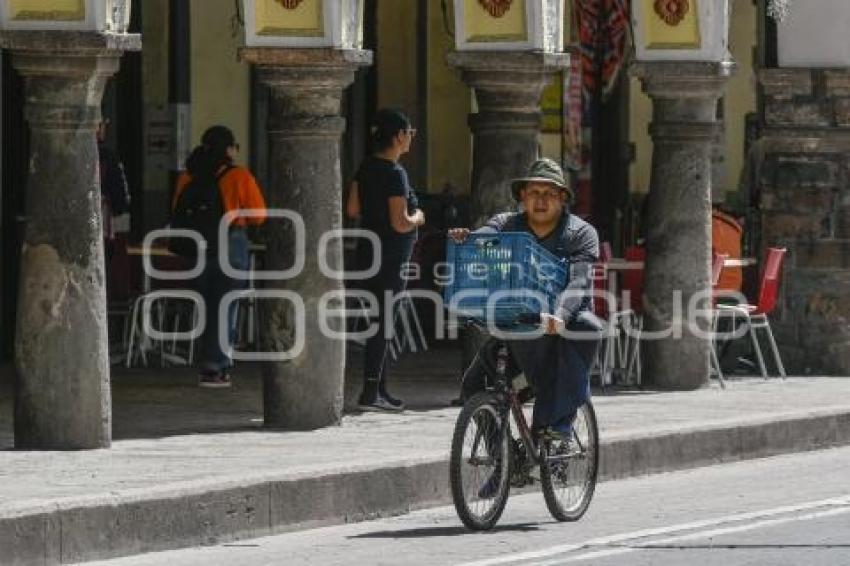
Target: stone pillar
[(802, 175), (304, 127), (506, 128), (62, 393), (683, 129)]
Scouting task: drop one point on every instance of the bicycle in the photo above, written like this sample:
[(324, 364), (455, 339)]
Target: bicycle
[(487, 459)]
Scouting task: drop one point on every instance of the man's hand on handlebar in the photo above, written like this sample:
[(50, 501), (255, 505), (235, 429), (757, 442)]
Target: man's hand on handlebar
[(459, 234), (551, 324)]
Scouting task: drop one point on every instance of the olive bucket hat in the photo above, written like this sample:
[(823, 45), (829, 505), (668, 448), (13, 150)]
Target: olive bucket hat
[(543, 171)]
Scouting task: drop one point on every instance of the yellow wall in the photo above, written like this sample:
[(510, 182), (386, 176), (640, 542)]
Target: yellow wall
[(660, 34), (741, 90), (62, 10), (449, 100), (482, 27), (307, 19), (221, 92), (640, 114), (740, 99), (396, 55), (395, 60), (155, 52)]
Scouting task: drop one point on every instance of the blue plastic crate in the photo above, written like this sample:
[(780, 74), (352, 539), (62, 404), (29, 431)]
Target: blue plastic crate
[(507, 261)]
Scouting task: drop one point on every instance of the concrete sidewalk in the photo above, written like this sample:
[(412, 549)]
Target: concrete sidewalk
[(191, 467)]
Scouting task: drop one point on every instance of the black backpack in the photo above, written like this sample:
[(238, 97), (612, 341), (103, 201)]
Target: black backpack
[(198, 208)]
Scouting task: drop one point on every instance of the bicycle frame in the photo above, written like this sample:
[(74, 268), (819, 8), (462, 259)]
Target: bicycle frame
[(513, 457), (505, 387)]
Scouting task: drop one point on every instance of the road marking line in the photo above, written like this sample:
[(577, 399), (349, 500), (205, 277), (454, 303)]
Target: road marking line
[(694, 536), (658, 531)]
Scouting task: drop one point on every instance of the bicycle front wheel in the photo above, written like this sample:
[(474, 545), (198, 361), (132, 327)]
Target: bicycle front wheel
[(479, 466), (568, 478)]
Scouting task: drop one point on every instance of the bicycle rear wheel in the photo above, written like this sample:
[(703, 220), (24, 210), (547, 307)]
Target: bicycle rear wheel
[(568, 480), (479, 466)]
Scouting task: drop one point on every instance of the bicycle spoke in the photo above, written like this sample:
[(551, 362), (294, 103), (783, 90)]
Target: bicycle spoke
[(571, 478), (480, 464)]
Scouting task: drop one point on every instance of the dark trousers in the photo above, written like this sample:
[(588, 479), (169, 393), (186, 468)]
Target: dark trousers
[(389, 279), (213, 285), (556, 368)]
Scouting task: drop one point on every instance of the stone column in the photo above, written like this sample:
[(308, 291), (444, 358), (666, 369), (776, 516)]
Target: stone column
[(304, 127), (506, 128), (62, 393), (683, 129)]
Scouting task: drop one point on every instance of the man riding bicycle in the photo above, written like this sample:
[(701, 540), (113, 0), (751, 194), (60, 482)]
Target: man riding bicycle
[(556, 366)]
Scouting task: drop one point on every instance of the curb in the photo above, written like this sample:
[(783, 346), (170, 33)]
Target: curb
[(121, 526)]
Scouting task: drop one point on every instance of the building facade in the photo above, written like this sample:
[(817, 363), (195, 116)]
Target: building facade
[(779, 159)]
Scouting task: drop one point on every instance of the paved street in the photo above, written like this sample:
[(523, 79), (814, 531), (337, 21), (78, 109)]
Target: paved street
[(792, 509)]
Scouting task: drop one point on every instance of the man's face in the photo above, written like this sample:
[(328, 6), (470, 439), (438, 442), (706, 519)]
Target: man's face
[(544, 202)]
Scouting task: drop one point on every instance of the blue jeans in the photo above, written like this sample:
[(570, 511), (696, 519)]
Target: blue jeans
[(213, 285), (557, 370)]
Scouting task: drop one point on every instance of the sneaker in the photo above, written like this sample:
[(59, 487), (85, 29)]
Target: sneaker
[(562, 441), (397, 403), (214, 379), (380, 403), (491, 486)]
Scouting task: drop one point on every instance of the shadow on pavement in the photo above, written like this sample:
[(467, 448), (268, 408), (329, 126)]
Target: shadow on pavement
[(156, 402), (423, 532)]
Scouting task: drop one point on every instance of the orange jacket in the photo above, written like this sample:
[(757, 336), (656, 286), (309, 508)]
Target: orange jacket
[(726, 239), (239, 190)]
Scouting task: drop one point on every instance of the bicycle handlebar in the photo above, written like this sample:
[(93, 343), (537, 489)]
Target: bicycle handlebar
[(533, 318), (527, 319)]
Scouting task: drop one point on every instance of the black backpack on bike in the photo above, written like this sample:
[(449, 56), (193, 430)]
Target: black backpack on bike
[(199, 208)]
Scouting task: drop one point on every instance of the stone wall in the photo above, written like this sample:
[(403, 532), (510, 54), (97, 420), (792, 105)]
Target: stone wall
[(803, 175)]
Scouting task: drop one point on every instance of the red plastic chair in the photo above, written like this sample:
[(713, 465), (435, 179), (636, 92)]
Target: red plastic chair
[(605, 252), (717, 263), (769, 288), (619, 351), (755, 316), (599, 281), (632, 279)]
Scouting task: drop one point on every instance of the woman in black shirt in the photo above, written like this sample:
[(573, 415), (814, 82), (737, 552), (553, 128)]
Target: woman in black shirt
[(381, 196)]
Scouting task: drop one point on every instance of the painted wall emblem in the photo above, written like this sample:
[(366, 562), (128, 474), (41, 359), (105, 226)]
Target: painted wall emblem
[(497, 8), (290, 4), (672, 11)]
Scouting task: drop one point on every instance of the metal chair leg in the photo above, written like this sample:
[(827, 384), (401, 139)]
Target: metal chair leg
[(715, 364), (752, 332), (191, 355), (774, 348), (638, 362), (714, 359), (632, 340), (607, 355), (419, 332), (134, 313)]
